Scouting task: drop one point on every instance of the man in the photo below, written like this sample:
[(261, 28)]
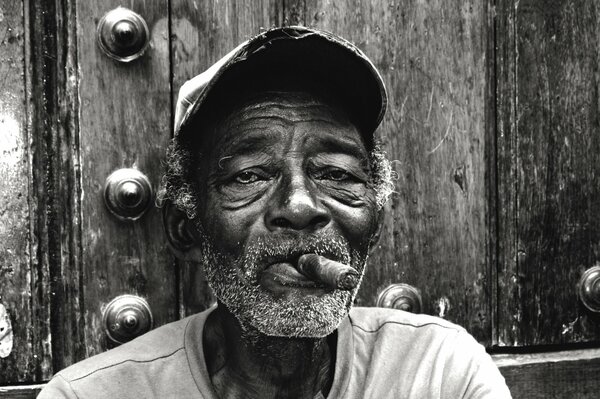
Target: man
[(275, 184)]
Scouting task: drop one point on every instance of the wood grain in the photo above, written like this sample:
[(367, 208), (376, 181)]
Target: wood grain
[(567, 374), (433, 57), (20, 392), (55, 176), (548, 193), (125, 118), (15, 265), (50, 223)]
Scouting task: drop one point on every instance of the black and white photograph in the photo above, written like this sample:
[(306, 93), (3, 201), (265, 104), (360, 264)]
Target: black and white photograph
[(299, 199)]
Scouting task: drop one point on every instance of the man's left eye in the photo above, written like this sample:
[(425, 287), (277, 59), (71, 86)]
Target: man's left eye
[(337, 175), (246, 177)]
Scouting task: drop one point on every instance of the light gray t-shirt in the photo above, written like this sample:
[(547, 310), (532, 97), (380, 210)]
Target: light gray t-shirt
[(381, 353)]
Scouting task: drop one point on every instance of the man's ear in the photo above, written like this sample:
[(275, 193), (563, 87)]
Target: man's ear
[(375, 239), (180, 230)]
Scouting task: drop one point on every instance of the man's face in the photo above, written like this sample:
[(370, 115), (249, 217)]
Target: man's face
[(285, 174)]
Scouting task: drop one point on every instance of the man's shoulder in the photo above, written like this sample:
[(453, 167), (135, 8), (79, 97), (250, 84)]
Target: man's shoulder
[(375, 320), (160, 343), (435, 357)]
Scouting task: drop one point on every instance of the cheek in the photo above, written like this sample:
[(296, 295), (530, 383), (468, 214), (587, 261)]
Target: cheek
[(358, 224), (227, 229)]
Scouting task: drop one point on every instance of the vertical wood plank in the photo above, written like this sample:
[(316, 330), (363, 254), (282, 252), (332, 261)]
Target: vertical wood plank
[(506, 139), (202, 33), (54, 190), (433, 59), (15, 266), (555, 157), (125, 122)]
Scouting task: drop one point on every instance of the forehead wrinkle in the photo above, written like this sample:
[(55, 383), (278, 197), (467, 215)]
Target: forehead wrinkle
[(291, 110), (273, 116), (243, 135)]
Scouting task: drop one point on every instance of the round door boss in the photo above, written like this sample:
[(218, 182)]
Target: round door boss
[(128, 193), (401, 296), (123, 34), (126, 317), (589, 288)]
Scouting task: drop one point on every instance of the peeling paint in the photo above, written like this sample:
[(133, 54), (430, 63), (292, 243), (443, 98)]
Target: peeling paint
[(443, 306), (10, 143), (6, 333)]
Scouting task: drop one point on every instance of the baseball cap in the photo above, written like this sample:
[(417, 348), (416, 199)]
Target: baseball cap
[(288, 54)]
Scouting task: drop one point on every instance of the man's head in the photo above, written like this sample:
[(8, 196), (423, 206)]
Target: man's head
[(267, 170)]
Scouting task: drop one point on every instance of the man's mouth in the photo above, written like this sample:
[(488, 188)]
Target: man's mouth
[(309, 271), (286, 274)]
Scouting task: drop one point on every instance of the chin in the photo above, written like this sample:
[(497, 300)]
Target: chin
[(297, 316)]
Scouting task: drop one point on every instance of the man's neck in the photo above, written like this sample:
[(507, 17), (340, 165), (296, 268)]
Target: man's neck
[(248, 364)]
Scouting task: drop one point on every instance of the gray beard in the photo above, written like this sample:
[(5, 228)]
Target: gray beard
[(234, 281)]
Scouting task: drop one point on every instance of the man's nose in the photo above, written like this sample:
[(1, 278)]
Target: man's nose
[(296, 207)]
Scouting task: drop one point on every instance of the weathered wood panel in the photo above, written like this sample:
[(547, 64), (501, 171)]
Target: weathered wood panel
[(505, 71), (202, 33), (20, 392), (125, 122), (43, 178), (565, 374), (549, 167), (15, 266), (55, 177), (433, 59)]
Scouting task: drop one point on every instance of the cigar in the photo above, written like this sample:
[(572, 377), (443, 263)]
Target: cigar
[(327, 271)]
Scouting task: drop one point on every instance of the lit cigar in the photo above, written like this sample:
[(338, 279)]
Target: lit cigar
[(327, 271)]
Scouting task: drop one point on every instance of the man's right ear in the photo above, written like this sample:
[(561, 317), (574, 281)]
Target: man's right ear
[(181, 232)]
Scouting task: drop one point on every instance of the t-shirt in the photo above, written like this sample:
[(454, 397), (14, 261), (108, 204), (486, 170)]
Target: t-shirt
[(381, 353)]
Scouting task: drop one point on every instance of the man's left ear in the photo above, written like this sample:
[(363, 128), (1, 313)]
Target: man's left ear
[(375, 239), (181, 232)]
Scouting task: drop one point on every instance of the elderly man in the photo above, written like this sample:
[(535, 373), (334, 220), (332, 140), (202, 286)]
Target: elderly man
[(276, 186)]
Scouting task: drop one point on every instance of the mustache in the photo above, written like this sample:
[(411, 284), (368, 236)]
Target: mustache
[(265, 250)]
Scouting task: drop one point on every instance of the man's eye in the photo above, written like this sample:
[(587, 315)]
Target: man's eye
[(337, 175), (247, 177)]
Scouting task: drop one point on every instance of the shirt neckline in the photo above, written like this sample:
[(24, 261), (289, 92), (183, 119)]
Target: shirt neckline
[(196, 361)]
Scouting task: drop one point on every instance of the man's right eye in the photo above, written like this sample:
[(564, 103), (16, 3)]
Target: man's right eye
[(247, 177)]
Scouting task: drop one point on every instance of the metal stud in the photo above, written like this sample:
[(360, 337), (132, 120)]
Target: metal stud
[(401, 296), (589, 288), (128, 193), (123, 34), (126, 317)]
